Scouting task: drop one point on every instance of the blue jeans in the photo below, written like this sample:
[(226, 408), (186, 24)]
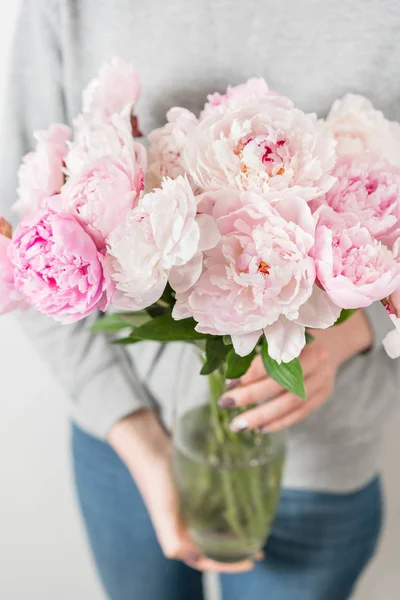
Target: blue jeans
[(319, 544)]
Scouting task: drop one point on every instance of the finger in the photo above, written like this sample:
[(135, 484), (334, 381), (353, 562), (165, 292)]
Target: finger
[(260, 416), (297, 415), (254, 393), (277, 408), (255, 372), (312, 357)]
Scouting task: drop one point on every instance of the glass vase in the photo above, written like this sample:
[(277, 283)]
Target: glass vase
[(229, 483)]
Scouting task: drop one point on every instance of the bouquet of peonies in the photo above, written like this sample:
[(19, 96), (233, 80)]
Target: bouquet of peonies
[(239, 228), (255, 220)]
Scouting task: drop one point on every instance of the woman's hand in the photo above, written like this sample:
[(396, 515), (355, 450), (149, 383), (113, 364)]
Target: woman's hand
[(146, 449), (320, 361)]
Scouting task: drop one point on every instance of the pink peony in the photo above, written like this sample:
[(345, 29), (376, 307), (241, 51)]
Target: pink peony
[(57, 267), (42, 171), (236, 96), (354, 268), (10, 297), (100, 196), (358, 128), (115, 90), (260, 275), (368, 191), (167, 145), (266, 144), (161, 239), (96, 137)]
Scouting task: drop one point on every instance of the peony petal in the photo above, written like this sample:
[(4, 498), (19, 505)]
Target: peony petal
[(115, 90), (391, 342), (244, 344), (319, 311), (209, 234), (184, 277), (286, 340)]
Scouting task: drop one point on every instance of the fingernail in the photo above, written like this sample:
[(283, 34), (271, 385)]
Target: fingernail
[(227, 402), (192, 557), (231, 383), (239, 424)]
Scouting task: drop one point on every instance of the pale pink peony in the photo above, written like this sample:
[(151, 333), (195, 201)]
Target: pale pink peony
[(96, 137), (161, 239), (354, 268), (42, 172), (10, 297), (260, 275), (358, 128), (100, 196), (266, 144), (115, 90), (167, 145), (367, 191), (57, 267), (236, 96)]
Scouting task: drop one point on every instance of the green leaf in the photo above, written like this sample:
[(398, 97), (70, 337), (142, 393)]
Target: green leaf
[(238, 365), (227, 340), (344, 315), (288, 375), (131, 339), (166, 329), (114, 322), (216, 352)]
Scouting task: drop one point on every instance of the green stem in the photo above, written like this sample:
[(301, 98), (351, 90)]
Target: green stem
[(243, 491), (216, 381)]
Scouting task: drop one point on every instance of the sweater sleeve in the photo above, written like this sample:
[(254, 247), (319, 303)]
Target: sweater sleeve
[(101, 379)]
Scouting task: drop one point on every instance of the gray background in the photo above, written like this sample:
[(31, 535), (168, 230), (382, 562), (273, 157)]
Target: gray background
[(43, 555)]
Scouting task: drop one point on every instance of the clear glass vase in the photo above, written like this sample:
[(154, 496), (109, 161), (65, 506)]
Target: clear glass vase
[(229, 483)]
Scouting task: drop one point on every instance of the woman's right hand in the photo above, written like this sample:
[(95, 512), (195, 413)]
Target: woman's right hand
[(146, 449)]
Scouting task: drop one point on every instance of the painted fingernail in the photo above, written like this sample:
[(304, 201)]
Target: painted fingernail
[(231, 383), (239, 424), (227, 402)]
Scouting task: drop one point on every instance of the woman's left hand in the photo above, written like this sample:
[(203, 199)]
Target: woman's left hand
[(320, 360)]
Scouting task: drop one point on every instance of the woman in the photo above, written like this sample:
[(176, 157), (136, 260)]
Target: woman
[(329, 516)]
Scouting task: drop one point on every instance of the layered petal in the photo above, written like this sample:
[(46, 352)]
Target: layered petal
[(115, 90), (57, 267), (358, 128), (260, 270), (157, 241), (353, 268), (286, 340), (258, 145), (10, 297), (41, 174)]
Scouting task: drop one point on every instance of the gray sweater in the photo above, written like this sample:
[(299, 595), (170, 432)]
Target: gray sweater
[(314, 52)]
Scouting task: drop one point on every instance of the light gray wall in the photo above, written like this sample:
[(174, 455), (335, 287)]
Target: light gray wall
[(43, 555)]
